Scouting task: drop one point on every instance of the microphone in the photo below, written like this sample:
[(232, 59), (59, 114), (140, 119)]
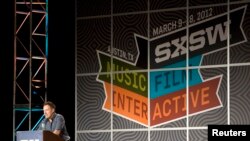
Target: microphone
[(43, 125)]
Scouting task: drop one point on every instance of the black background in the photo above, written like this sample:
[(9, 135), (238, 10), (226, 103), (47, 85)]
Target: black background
[(61, 68), (227, 128)]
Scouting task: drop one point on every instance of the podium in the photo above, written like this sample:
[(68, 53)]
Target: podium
[(39, 135)]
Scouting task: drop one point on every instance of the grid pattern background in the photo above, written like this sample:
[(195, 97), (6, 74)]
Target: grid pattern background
[(208, 43)]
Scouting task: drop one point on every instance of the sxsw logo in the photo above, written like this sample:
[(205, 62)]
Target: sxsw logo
[(159, 97)]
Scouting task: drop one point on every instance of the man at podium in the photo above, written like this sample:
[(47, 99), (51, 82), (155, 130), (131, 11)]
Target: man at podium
[(53, 121)]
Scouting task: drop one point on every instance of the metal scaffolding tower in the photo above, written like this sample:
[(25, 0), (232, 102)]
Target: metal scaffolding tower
[(30, 63)]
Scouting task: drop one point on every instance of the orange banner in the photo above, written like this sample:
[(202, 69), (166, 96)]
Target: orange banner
[(127, 104), (172, 106)]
